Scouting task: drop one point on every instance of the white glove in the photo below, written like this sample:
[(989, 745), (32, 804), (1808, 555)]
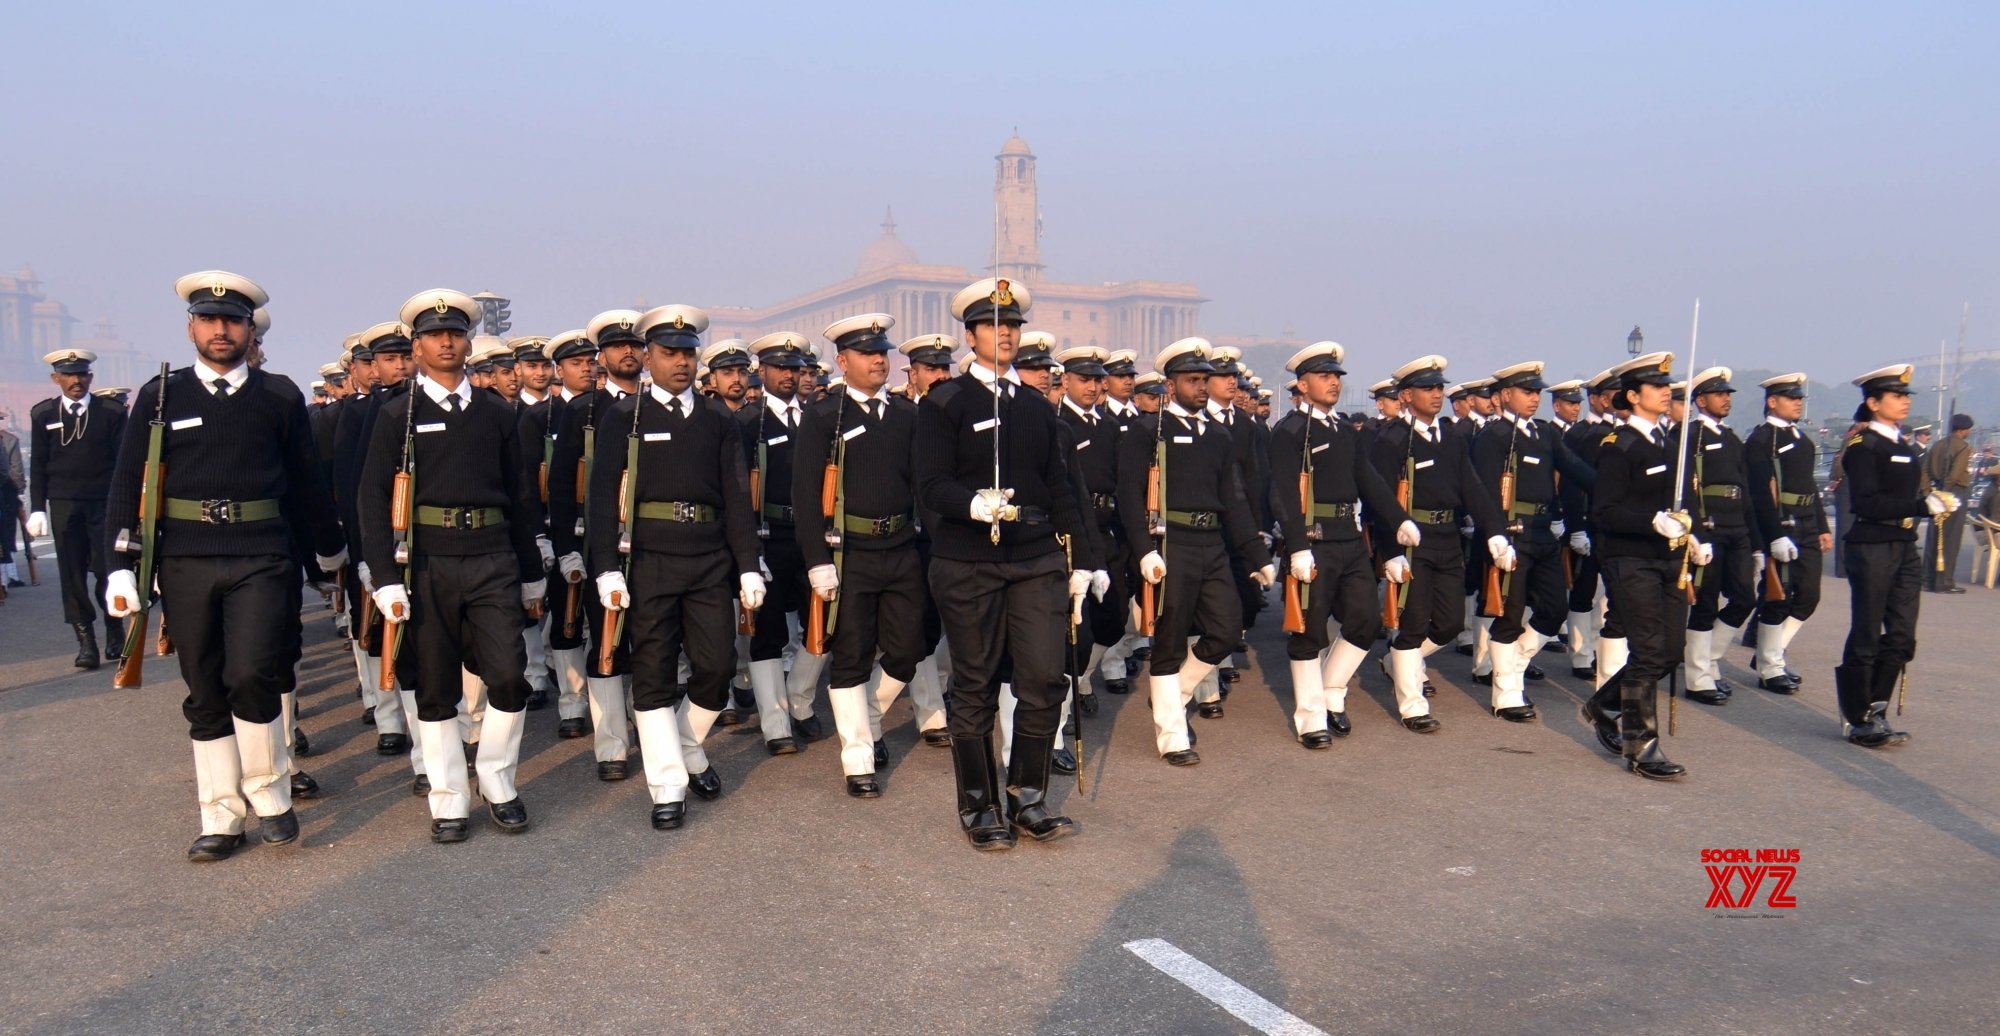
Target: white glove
[(1557, 528), (1784, 551), (1408, 535), (38, 525), (367, 580), (825, 582), (1153, 567), (1506, 560), (1397, 570), (572, 567), (1701, 553), (1669, 525), (548, 552), (393, 602), (752, 594), (333, 563), (1265, 576), (1579, 543), (1496, 546), (1269, 540), (343, 623), (986, 504), (1079, 584), (764, 569), (1100, 584), (121, 593), (1302, 566), (535, 591), (1939, 504), (612, 592)]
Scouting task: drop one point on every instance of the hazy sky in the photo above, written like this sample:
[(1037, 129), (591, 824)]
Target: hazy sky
[(1489, 183)]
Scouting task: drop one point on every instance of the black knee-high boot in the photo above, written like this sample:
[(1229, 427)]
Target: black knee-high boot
[(1639, 722)]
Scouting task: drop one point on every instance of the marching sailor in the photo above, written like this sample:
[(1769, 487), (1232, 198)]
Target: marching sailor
[(1721, 483), (1791, 524), (73, 444)]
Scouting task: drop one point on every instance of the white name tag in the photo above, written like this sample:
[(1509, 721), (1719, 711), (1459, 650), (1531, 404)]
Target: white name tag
[(659, 436), (1898, 458), (1082, 444), (1657, 469), (1786, 446), (1531, 460), (1713, 446), (435, 426), (185, 422), (1321, 446), (54, 427), (1422, 464), (981, 426), (777, 439), (1183, 438), (854, 431)]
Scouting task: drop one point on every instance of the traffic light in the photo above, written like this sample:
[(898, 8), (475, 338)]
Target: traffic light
[(502, 318)]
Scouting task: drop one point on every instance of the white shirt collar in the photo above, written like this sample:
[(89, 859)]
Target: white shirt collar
[(1420, 426), (1193, 417), (661, 396), (1325, 417), (859, 396), (1776, 422), (1218, 411), (567, 395), (1713, 425), (1079, 411), (1640, 425), (529, 397), (985, 374), (779, 408), (235, 377), (1886, 431), (438, 392)]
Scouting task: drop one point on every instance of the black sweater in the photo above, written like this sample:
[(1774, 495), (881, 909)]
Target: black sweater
[(1539, 456), (1203, 473), (1781, 460), (1444, 480), (1885, 487), (80, 470), (254, 444), (694, 460), (955, 450), (1715, 458), (468, 459), (1341, 474), (1635, 481), (878, 472)]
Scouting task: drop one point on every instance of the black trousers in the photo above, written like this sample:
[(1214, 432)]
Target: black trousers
[(933, 625), (999, 610), (1583, 583), (77, 527), (1198, 597), (1883, 581), (1653, 607), (786, 593), (295, 629), (1343, 588), (881, 608), (682, 601), (1801, 586), (1434, 606), (465, 612), (1537, 584), (231, 619), (1732, 575), (1104, 621)]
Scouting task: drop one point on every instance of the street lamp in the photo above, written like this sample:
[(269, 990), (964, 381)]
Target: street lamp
[(1635, 343)]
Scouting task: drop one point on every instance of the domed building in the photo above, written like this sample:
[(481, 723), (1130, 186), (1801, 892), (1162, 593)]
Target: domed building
[(885, 251)]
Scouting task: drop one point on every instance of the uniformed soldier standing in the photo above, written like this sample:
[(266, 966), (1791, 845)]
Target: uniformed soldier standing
[(1791, 524), (1640, 540), (681, 527), (1886, 487), (73, 443), (1330, 559), (1435, 459), (873, 588), (469, 566), (1202, 508), (1719, 488), (991, 469), (238, 456)]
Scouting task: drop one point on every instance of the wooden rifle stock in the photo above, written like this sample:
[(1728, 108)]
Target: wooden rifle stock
[(572, 596), (607, 640), (1149, 602), (815, 639), (392, 638), (746, 620), (757, 491), (1774, 582), (1295, 616), (542, 481), (400, 503), (163, 645), (129, 670), (1494, 599)]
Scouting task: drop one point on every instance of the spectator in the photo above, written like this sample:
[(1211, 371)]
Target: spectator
[(1948, 468)]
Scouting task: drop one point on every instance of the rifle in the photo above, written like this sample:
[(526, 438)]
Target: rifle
[(628, 509), (1774, 573), (152, 485), (1156, 521), (820, 614), (1071, 610), (1298, 595), (1494, 600), (1686, 544), (402, 508)]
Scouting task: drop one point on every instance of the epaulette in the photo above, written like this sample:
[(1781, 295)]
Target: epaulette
[(1856, 440), (1609, 439)]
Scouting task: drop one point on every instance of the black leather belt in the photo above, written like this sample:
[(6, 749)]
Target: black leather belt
[(859, 526)]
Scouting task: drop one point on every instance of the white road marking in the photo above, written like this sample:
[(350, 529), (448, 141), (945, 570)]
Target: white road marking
[(1226, 993)]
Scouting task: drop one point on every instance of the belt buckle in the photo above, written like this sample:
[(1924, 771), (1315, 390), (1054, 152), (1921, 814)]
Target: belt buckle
[(219, 512), (683, 511), (1202, 520), (456, 518), (1314, 533), (881, 526)]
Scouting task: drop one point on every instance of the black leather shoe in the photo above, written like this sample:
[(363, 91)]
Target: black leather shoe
[(537, 699), (611, 770), (86, 647), (1210, 710), (1422, 724), (1483, 679), (1534, 672), (1337, 723), (1556, 647), (1087, 704), (668, 815), (1707, 697), (1118, 686), (782, 746), (1227, 674), (1582, 673), (1796, 679), (881, 754), (1187, 758), (937, 737), (1463, 649), (979, 816), (986, 831), (1782, 684), (210, 848), (1430, 689), (707, 783), (392, 744), (1656, 770), (1722, 687), (808, 729), (421, 786), (1317, 739), (1062, 760), (510, 815), (728, 717), (367, 717), (1143, 654), (282, 829), (303, 786), (863, 786), (446, 831), (1605, 726), (570, 728), (1516, 713), (300, 746)]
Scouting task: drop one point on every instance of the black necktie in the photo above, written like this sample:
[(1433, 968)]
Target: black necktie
[(873, 413), (674, 408), (221, 386), (1660, 437), (451, 402)]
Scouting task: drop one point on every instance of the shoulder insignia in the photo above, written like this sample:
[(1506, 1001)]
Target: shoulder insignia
[(1855, 441), (1608, 440)]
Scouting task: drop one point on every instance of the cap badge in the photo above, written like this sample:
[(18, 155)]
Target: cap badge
[(624, 323), (1003, 294), (1903, 375), (679, 322), (442, 307), (1665, 366)]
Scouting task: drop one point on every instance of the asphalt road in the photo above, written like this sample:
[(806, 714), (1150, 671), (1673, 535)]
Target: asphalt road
[(1489, 879)]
